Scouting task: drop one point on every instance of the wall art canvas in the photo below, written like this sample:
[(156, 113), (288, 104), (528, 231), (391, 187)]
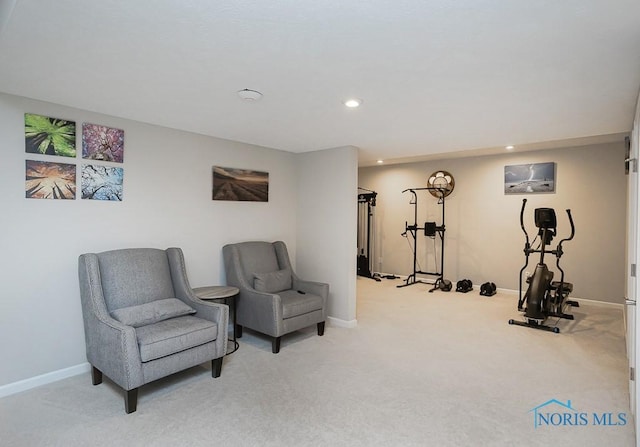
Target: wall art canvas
[(530, 178), (240, 185), (48, 180), (102, 143), (102, 182), (49, 136)]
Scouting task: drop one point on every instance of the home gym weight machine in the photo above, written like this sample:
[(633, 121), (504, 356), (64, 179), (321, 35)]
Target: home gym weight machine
[(366, 208), (430, 230), (544, 298)]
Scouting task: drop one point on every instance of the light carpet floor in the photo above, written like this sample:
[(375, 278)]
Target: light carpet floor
[(421, 369)]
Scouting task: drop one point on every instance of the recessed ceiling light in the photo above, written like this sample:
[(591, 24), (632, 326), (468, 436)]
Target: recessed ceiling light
[(380, 162), (249, 95), (509, 147), (352, 103)]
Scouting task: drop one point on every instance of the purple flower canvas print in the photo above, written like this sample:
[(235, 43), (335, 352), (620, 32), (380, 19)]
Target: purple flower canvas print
[(102, 143)]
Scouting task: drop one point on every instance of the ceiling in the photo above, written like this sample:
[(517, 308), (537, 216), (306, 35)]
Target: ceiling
[(436, 77)]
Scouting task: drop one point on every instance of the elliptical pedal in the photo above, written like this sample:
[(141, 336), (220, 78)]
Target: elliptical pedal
[(533, 324)]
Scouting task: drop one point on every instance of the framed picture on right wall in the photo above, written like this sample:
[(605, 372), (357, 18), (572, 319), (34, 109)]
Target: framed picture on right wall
[(530, 178)]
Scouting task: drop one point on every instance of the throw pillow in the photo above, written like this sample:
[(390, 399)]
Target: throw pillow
[(272, 282), (152, 312)]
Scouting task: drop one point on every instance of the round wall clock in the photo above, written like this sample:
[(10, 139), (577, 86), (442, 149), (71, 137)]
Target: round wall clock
[(442, 180)]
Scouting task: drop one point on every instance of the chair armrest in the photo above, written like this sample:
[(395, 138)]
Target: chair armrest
[(260, 311), (209, 310), (111, 346), (317, 288), (117, 355), (216, 312)]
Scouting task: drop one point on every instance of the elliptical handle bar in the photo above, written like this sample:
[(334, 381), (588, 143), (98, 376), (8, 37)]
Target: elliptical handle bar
[(527, 247), (573, 229), (526, 235)]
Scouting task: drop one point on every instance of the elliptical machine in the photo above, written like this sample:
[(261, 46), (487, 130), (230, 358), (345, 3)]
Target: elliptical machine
[(544, 297)]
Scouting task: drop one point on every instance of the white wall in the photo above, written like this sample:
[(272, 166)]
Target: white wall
[(327, 219), (167, 202), (483, 240)]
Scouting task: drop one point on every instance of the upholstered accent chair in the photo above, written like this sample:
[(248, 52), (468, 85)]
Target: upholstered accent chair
[(272, 299), (142, 321)]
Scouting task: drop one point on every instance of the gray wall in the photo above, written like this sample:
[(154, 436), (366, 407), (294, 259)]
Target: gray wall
[(327, 205), (167, 202), (483, 240)]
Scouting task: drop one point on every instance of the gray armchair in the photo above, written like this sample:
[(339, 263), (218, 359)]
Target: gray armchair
[(272, 299), (142, 322)]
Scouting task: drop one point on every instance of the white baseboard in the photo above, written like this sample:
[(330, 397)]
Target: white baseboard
[(44, 379), (597, 302), (338, 322)]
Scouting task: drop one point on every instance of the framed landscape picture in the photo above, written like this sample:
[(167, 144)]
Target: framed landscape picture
[(240, 185), (530, 178)]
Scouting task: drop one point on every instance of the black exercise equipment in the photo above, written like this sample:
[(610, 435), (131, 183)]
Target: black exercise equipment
[(464, 286), (445, 285), (544, 298), (430, 230), (488, 289), (366, 207)]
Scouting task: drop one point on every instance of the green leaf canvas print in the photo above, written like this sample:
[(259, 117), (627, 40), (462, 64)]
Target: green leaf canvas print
[(49, 136)]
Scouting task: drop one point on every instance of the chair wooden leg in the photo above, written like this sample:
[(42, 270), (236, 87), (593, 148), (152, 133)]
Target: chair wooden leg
[(275, 345), (321, 328), (216, 367), (131, 400), (96, 375), (237, 332)]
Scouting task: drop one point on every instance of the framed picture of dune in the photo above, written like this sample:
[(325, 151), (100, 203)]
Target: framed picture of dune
[(243, 185)]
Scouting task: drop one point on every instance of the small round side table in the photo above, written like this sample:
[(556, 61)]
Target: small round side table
[(226, 294)]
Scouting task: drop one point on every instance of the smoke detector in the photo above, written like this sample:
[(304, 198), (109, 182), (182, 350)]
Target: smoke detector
[(249, 95)]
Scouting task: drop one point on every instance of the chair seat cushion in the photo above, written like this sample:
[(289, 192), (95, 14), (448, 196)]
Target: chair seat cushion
[(152, 312), (295, 303), (174, 335)]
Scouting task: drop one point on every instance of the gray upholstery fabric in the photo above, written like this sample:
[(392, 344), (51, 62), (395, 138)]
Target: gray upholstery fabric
[(134, 276), (294, 303), (272, 282), (265, 312), (174, 335), (123, 278), (153, 312)]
